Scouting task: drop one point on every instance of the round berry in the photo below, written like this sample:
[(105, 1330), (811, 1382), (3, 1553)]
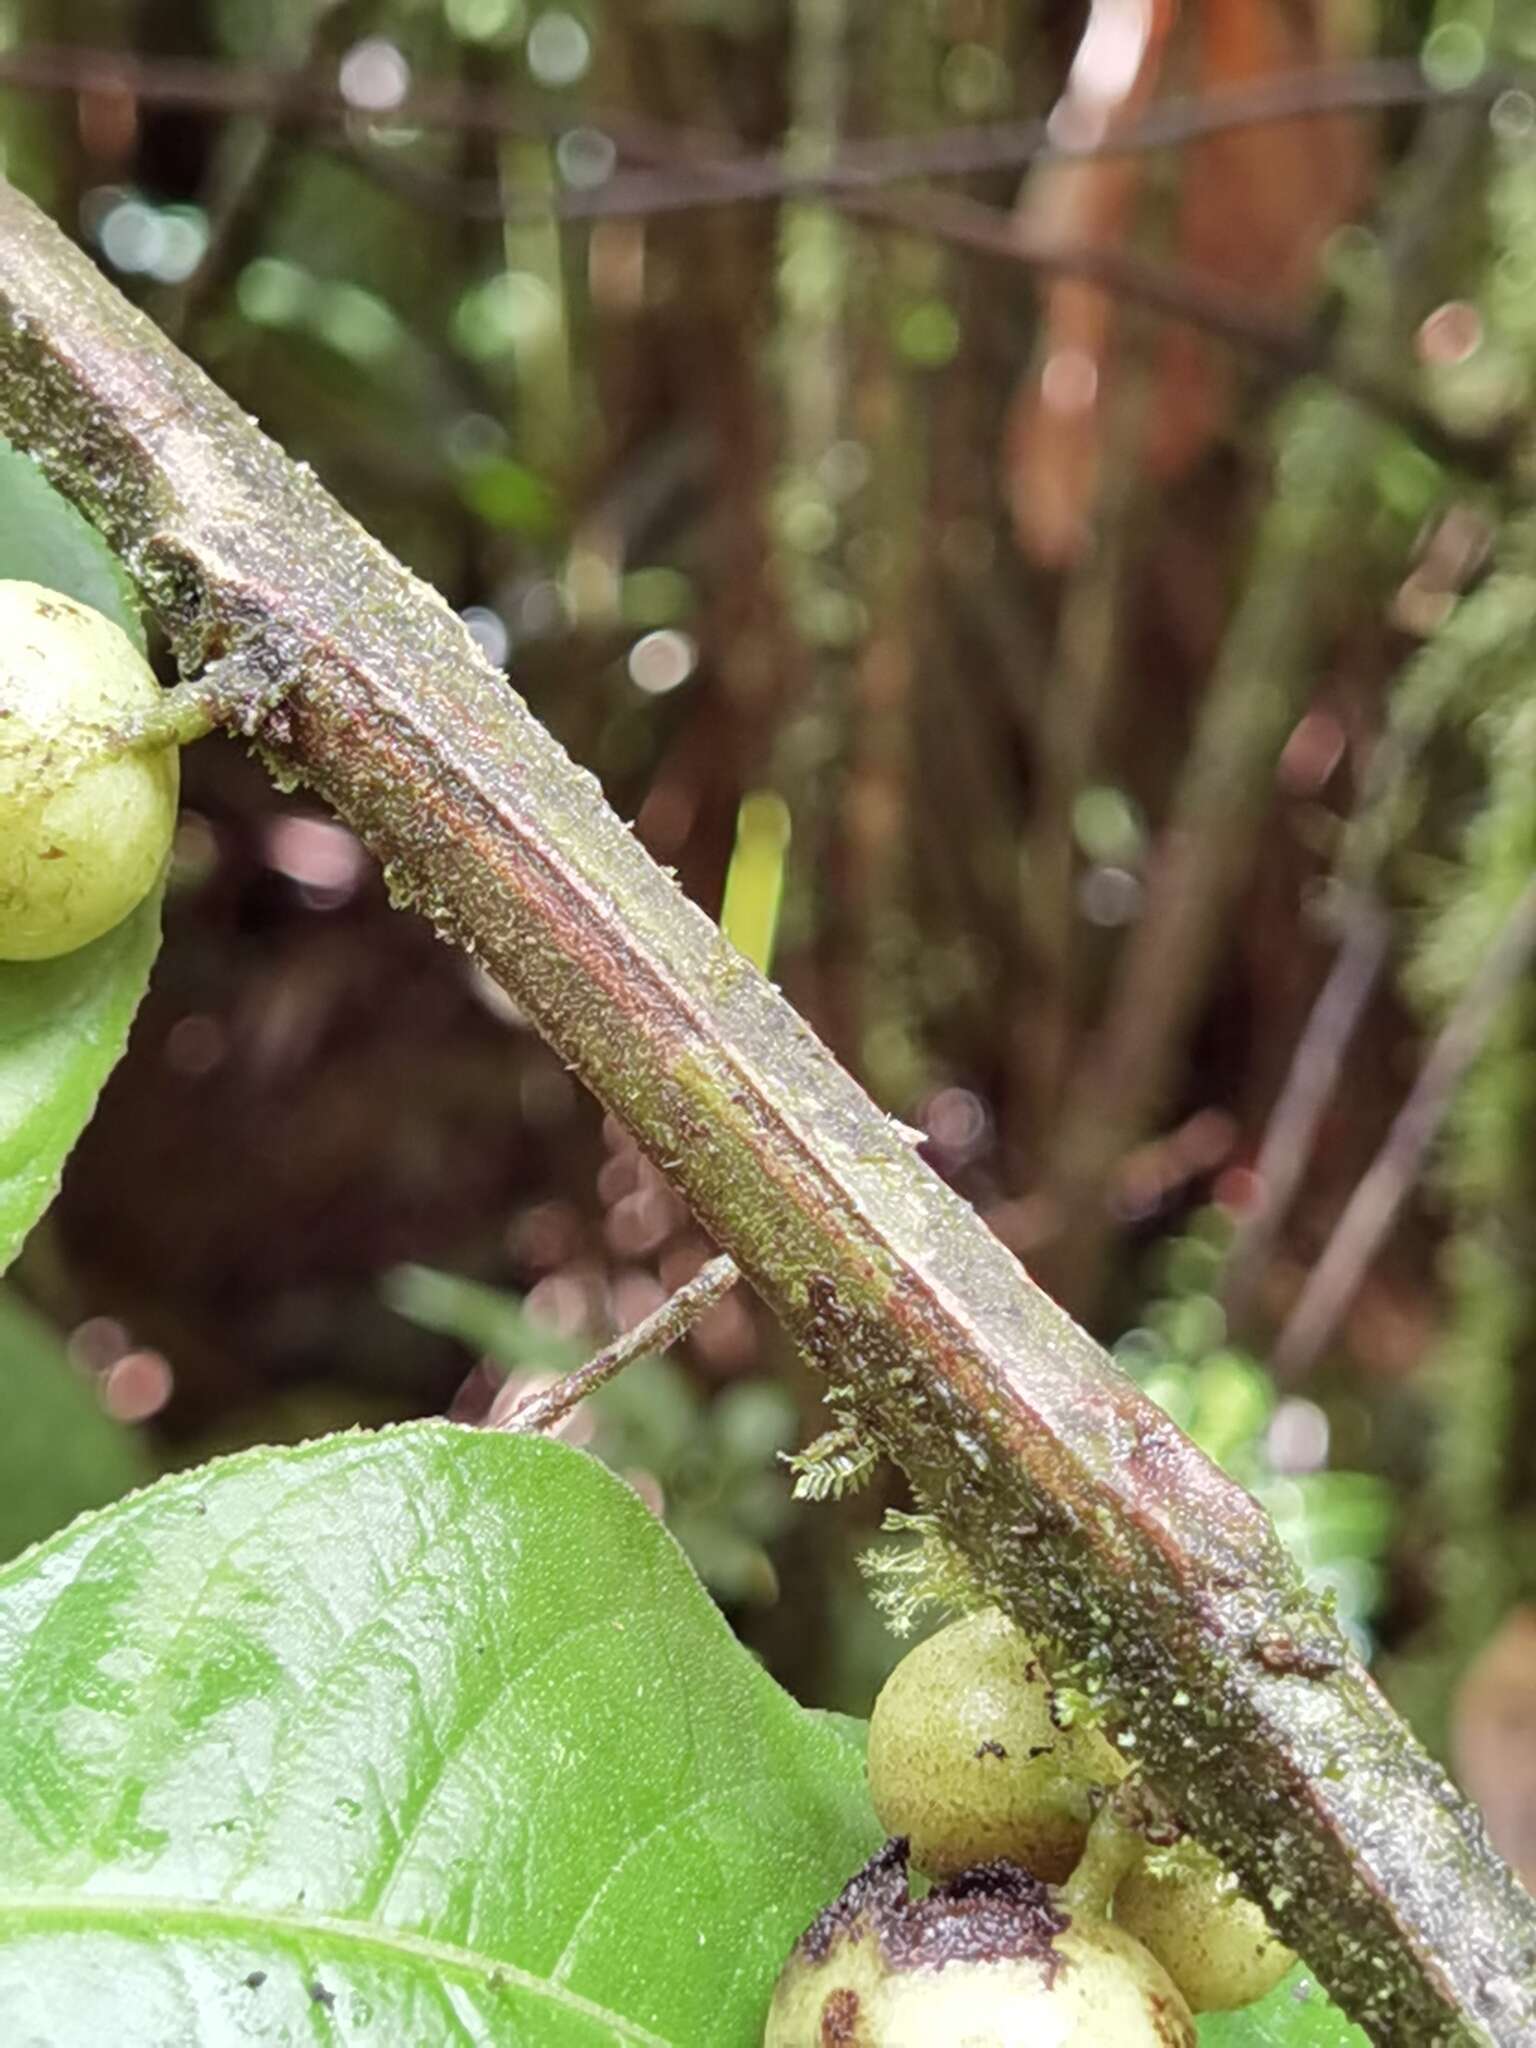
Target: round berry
[(82, 840), (1215, 1944), (989, 1959), (967, 1762)]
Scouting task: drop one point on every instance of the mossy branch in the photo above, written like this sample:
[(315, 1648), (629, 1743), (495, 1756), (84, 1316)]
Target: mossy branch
[(1080, 1506)]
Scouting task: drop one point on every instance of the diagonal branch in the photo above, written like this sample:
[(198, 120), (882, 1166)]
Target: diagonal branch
[(1102, 1528), (1378, 1198)]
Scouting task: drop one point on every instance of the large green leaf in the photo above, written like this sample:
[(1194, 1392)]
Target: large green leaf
[(63, 1023), (60, 1452), (429, 1736), (1296, 2014), (63, 1026)]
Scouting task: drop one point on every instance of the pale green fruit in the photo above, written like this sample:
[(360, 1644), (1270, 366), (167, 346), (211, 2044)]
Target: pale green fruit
[(986, 1961), (81, 842), (1215, 1944), (966, 1762)]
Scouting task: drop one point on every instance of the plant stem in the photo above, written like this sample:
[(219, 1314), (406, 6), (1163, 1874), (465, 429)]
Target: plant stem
[(1314, 1072), (1083, 1510)]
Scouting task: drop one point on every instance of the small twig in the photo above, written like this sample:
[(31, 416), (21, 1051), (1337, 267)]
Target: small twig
[(687, 169), (246, 162), (1294, 349), (1374, 1205), (1297, 351), (213, 88), (1291, 1133), (548, 1408)]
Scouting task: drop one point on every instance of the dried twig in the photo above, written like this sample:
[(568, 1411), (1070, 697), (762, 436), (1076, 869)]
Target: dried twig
[(1309, 1084), (662, 1328), (1373, 1207), (194, 85)]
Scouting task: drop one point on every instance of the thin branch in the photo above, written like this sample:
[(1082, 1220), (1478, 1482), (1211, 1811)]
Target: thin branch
[(693, 169), (1292, 349), (1181, 295), (1373, 1207), (1291, 1133), (1080, 1506), (1264, 672), (200, 87), (246, 161), (659, 1331)]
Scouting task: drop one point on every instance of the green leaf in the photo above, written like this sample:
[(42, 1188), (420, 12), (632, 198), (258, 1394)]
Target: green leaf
[(428, 1736), (1297, 2014), (43, 539), (846, 1727), (60, 1452), (63, 1026), (64, 1022)]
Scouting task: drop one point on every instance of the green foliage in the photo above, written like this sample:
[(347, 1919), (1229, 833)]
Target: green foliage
[(1467, 812), (1298, 2013), (921, 1572), (428, 1734), (1336, 1524), (836, 1463), (63, 1022), (60, 1451), (43, 539), (63, 1026), (713, 1461)]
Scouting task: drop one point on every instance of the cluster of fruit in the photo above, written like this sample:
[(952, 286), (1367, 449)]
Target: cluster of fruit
[(1053, 1919), (85, 824)]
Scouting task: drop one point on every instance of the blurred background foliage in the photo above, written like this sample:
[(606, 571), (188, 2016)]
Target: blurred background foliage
[(1076, 618)]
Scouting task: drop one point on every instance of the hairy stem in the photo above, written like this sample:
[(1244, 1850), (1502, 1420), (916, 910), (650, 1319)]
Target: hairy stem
[(1084, 1511)]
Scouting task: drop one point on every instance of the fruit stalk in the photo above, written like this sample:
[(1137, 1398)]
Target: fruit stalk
[(1084, 1511)]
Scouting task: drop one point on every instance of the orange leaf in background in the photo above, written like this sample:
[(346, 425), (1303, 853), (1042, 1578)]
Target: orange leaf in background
[(1053, 440), (1493, 1739), (1257, 204)]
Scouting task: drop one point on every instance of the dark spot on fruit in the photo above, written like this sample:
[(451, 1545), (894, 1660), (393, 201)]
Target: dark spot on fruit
[(996, 1749), (1171, 2028), (255, 1980), (995, 1912), (839, 2018), (321, 1996), (879, 1889)]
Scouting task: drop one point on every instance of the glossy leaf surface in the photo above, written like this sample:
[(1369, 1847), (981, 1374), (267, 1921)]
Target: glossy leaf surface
[(417, 1737)]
